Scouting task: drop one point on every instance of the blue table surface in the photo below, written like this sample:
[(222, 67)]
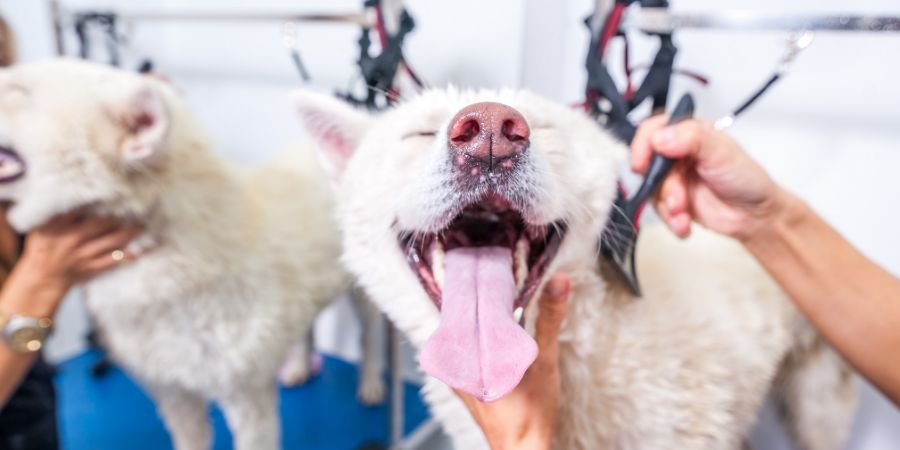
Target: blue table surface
[(112, 413)]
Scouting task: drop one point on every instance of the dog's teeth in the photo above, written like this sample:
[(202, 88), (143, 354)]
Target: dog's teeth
[(535, 231), (517, 314), (521, 262), (437, 263)]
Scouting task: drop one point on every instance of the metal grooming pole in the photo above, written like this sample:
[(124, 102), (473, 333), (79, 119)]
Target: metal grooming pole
[(147, 16), (60, 17), (396, 440), (392, 10), (659, 20)]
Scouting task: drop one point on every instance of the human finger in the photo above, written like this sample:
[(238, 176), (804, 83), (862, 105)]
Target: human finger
[(104, 262), (641, 147), (115, 239), (673, 191), (92, 227), (64, 220), (552, 308), (682, 139), (680, 224)]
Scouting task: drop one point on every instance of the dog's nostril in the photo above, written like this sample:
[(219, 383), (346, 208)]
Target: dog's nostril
[(514, 131), (487, 136), (465, 131)]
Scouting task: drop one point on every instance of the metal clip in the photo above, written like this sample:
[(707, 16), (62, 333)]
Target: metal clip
[(289, 41), (796, 43)]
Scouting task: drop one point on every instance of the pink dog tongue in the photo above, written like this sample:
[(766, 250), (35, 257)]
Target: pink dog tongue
[(478, 347)]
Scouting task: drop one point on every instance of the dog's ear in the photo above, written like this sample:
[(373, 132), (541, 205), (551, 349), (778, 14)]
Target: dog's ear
[(335, 127), (142, 114)]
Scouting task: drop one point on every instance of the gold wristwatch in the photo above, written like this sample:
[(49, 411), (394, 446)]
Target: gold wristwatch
[(24, 334)]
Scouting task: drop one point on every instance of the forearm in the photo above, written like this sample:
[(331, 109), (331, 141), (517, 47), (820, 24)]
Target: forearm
[(24, 293), (854, 303), (13, 367)]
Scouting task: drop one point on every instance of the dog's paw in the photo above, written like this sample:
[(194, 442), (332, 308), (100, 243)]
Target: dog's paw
[(372, 391), (297, 371)]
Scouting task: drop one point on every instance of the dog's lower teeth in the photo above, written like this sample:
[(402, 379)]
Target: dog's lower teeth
[(535, 231), (437, 263), (520, 263)]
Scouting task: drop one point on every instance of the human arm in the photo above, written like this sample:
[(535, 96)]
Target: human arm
[(65, 251), (525, 419), (851, 301)]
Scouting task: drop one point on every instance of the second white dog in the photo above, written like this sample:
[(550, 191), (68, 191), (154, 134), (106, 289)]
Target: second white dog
[(239, 260)]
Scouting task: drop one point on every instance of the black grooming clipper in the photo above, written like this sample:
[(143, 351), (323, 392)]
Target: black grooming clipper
[(619, 238)]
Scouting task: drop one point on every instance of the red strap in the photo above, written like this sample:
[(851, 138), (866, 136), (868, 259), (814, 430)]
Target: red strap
[(611, 27)]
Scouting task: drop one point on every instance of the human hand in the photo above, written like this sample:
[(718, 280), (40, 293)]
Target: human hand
[(526, 417), (68, 249), (713, 182)]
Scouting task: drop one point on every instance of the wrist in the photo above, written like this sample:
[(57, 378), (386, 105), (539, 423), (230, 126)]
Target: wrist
[(531, 443), (30, 292), (532, 439), (784, 214)]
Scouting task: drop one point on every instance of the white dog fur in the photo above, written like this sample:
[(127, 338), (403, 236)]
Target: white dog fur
[(685, 367), (240, 259)]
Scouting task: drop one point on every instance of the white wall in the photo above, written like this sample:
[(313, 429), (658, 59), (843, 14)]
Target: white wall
[(829, 131)]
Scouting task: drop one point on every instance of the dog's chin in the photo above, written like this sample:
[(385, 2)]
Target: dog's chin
[(492, 221)]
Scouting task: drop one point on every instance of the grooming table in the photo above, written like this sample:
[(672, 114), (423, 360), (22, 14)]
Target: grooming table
[(113, 413)]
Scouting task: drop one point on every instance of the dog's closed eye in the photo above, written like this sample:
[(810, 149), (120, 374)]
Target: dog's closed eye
[(416, 134)]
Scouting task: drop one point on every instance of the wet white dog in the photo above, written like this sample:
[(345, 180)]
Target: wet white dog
[(242, 260), (457, 206)]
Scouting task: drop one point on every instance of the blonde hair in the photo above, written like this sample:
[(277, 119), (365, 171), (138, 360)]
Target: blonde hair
[(7, 44)]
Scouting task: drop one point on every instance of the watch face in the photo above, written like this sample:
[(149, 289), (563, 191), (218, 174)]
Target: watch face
[(29, 339)]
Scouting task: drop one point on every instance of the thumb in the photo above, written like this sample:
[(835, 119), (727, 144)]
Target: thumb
[(552, 308), (683, 139)]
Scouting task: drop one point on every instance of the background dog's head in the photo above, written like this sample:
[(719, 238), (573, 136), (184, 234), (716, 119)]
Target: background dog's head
[(74, 133), (463, 203)]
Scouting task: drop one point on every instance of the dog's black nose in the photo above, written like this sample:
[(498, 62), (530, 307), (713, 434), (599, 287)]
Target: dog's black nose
[(487, 137)]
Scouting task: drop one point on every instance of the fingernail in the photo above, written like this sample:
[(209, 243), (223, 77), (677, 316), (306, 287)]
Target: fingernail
[(664, 137), (558, 287)]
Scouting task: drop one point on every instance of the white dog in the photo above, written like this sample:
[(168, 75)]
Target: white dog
[(242, 259), (455, 211)]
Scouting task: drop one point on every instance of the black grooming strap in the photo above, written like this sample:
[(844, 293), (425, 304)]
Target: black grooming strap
[(298, 63), (109, 23), (600, 84), (380, 71), (656, 83), (756, 95), (105, 20)]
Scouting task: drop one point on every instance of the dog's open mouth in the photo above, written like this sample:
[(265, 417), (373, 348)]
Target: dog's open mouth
[(12, 166), (480, 271)]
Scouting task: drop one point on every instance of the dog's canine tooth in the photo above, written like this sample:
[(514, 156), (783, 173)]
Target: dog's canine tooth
[(518, 313), (521, 262), (437, 263)]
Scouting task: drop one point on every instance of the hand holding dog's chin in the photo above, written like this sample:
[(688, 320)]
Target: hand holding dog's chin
[(61, 253), (526, 418)]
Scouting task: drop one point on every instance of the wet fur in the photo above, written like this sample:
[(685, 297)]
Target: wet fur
[(242, 258)]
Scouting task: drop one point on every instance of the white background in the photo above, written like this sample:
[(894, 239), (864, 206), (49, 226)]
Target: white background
[(829, 131)]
